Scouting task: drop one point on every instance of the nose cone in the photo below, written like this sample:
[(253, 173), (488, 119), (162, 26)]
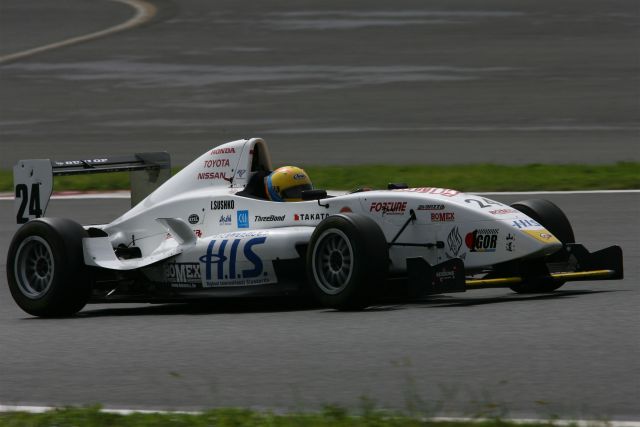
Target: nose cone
[(542, 235), (547, 243)]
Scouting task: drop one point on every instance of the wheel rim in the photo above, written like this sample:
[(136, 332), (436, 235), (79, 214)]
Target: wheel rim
[(332, 261), (34, 267)]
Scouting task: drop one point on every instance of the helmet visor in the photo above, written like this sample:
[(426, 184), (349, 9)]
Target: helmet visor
[(295, 192)]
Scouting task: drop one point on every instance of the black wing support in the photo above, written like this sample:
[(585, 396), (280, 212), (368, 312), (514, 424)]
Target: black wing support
[(425, 279)]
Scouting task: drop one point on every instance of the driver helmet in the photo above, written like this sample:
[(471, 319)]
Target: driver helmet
[(286, 184)]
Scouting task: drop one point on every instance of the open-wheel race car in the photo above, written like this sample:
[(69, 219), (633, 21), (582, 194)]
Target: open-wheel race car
[(209, 231)]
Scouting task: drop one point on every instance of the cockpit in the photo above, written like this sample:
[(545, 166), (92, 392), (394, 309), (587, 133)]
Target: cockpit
[(260, 168)]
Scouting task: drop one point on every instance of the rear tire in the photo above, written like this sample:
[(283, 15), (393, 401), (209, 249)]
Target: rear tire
[(347, 261), (45, 268), (553, 219)]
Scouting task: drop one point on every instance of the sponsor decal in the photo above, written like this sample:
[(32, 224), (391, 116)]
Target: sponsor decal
[(212, 175), (482, 240), (430, 207), (510, 242), (309, 216), (445, 275), (483, 202), (345, 209), (194, 219), (299, 176), (243, 219), (525, 223), (219, 205), (222, 267), (243, 234), (227, 150), (542, 235), (442, 216), (388, 208), (225, 219), (503, 211), (182, 275), (80, 162), (431, 190), (216, 163), (270, 218), (454, 244), (241, 173)]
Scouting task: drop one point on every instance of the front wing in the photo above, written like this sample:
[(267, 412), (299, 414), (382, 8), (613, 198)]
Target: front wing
[(577, 264)]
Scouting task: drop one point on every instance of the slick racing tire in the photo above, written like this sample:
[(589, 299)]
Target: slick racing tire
[(553, 219), (347, 261), (45, 268), (549, 216)]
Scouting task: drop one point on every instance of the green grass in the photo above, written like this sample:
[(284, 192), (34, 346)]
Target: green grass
[(482, 177), (331, 416), (99, 182), (473, 177)]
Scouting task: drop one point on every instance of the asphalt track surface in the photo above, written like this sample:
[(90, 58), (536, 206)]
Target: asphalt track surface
[(573, 353), (336, 82), (328, 82)]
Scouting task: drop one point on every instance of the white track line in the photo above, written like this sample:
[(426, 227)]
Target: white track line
[(551, 422), (80, 195), (42, 409), (144, 12), (127, 195), (518, 193)]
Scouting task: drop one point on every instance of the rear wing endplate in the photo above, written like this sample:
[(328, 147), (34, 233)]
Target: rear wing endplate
[(33, 178)]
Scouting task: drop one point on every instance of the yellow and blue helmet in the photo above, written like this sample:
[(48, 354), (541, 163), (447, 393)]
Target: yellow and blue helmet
[(286, 184)]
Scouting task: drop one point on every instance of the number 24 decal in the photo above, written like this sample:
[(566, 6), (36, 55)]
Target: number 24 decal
[(22, 191), (487, 202)]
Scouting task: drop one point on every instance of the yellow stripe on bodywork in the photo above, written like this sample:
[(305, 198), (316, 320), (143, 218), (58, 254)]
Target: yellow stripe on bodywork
[(556, 276), (542, 235)]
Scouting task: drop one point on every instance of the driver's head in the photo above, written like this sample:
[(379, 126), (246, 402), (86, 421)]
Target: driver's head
[(286, 184)]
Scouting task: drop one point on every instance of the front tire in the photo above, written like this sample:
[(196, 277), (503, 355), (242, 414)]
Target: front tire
[(45, 268), (347, 261), (551, 217)]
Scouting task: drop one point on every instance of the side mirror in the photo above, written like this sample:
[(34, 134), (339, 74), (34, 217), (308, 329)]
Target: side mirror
[(314, 194), (396, 185)]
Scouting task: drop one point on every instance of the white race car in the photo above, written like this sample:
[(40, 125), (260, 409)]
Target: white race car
[(209, 231)]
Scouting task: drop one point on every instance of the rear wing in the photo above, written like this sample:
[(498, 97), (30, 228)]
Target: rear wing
[(33, 179)]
